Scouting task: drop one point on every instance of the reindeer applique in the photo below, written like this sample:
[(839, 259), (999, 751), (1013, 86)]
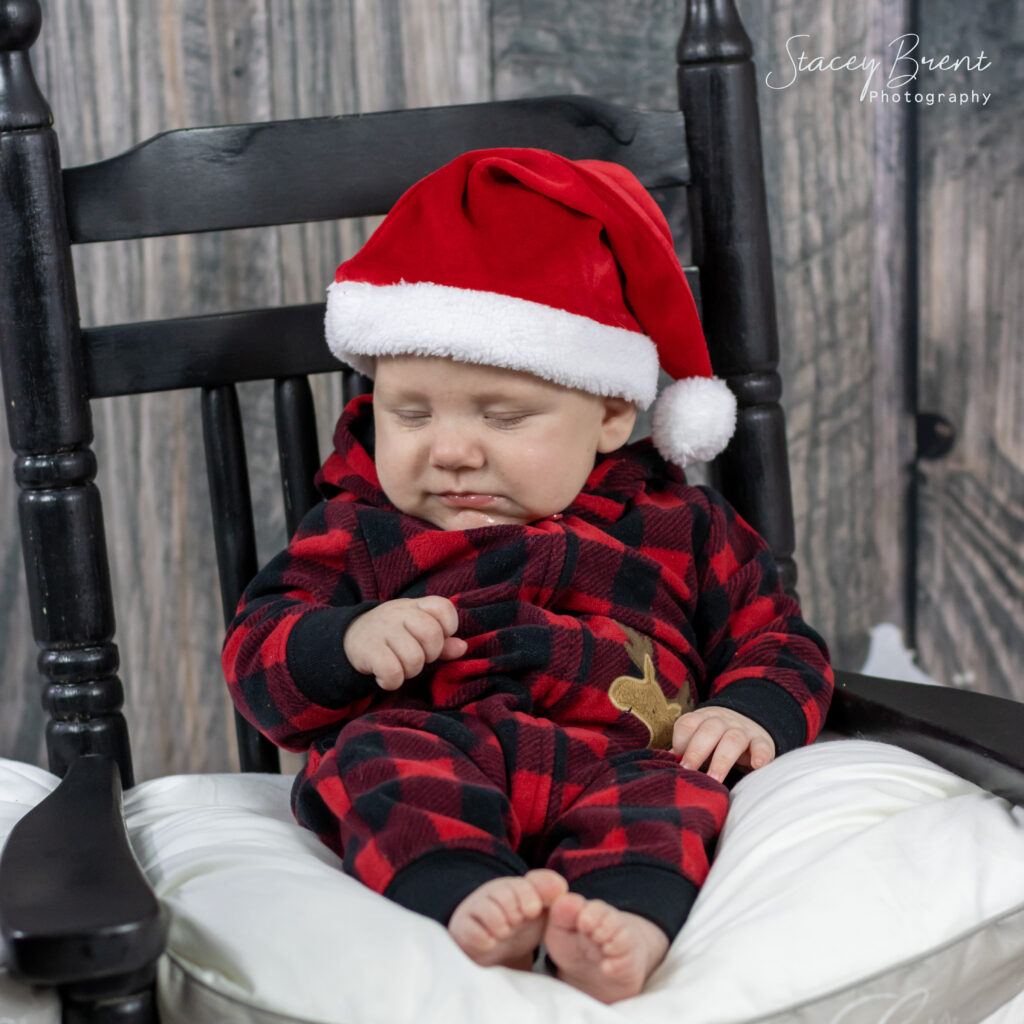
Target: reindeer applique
[(643, 697)]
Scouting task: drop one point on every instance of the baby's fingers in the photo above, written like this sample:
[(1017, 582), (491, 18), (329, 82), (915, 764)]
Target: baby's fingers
[(761, 752), (731, 747), (409, 652), (426, 631), (386, 668), (682, 732), (454, 647), (694, 742), (722, 738), (430, 635), (441, 609)]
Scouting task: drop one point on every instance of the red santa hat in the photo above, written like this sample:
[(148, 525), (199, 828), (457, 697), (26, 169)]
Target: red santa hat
[(523, 259)]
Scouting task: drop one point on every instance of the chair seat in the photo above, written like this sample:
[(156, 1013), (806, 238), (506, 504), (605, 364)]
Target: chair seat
[(853, 880)]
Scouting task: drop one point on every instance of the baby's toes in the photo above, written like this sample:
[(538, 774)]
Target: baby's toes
[(564, 913), (493, 924), (599, 921), (486, 915), (501, 912), (527, 901), (618, 950), (546, 885), (471, 933)]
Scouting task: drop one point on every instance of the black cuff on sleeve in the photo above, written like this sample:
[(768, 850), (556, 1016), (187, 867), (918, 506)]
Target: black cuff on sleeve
[(770, 706), (436, 883), (317, 661)]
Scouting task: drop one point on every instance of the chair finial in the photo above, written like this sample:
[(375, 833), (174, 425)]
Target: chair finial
[(713, 32), (20, 21), (21, 103)]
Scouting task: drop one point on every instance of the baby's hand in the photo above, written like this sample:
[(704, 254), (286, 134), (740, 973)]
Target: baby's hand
[(393, 641), (723, 735)]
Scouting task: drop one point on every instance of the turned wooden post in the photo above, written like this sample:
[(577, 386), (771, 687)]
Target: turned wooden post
[(729, 219), (50, 424)]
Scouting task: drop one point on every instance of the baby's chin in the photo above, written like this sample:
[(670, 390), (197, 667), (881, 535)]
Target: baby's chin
[(472, 519)]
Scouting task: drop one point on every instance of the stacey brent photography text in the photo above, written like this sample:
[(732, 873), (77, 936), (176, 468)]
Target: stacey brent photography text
[(889, 79)]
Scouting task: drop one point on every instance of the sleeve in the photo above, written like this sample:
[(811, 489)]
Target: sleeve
[(762, 659), (283, 656)]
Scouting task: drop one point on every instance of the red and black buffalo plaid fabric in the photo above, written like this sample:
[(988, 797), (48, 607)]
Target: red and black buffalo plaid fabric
[(588, 633)]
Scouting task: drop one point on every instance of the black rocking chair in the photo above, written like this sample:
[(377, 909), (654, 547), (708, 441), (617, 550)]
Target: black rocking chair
[(76, 911)]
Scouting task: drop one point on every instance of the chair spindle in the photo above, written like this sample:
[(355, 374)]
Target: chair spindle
[(295, 417), (234, 536), (729, 221), (50, 425), (355, 384)]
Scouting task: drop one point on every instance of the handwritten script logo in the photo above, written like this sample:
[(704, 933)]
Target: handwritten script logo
[(899, 70)]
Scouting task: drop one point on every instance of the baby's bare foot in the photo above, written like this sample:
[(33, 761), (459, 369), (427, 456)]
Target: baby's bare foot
[(605, 952), (502, 922)]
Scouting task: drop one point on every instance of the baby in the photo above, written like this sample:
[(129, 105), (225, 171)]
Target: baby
[(523, 655)]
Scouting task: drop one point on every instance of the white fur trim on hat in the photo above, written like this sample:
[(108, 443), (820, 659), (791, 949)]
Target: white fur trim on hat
[(694, 419), (367, 320)]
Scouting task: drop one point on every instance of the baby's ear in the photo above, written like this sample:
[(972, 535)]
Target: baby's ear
[(617, 425)]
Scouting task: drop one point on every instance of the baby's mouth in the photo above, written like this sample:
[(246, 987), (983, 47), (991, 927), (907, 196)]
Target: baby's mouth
[(468, 499)]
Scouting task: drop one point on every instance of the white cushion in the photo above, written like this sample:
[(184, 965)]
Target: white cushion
[(854, 882)]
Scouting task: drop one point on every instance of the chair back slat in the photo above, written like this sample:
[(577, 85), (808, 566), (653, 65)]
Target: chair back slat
[(295, 418), (350, 167), (213, 350), (234, 535), (206, 351)]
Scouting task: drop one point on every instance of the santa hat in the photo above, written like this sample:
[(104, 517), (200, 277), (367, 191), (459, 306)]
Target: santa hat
[(523, 259)]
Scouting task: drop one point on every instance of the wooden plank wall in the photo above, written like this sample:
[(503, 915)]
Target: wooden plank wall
[(836, 180), (970, 578), (116, 73), (835, 174)]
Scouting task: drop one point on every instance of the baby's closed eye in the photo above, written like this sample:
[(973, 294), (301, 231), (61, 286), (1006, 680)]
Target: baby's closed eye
[(411, 417), (505, 420)]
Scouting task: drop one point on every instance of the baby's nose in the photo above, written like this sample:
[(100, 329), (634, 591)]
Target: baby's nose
[(454, 446)]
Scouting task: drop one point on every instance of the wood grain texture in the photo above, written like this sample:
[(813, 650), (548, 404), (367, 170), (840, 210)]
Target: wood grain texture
[(620, 51), (116, 73), (22, 720), (970, 581), (836, 181), (836, 184), (193, 62)]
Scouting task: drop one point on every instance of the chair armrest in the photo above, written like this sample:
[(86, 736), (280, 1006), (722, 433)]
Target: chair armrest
[(74, 905), (975, 735)]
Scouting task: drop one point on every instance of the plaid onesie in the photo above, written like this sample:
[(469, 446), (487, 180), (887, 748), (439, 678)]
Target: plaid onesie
[(589, 633)]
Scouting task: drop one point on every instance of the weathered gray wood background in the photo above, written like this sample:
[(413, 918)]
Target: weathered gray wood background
[(848, 300), (970, 577)]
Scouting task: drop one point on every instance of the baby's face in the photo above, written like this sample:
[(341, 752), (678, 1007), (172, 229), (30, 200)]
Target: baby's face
[(463, 446)]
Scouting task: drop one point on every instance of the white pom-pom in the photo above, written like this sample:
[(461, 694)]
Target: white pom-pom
[(694, 419)]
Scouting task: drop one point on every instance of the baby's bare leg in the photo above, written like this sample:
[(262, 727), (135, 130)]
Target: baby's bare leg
[(502, 922), (605, 952)]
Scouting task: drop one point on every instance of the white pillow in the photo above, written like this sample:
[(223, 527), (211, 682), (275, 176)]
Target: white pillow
[(854, 882), (864, 883)]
